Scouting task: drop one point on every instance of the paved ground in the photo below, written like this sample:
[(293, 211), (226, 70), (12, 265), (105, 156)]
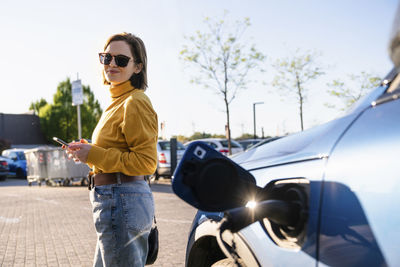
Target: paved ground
[(52, 226)]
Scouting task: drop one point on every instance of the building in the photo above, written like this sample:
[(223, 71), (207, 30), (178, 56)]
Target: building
[(21, 130)]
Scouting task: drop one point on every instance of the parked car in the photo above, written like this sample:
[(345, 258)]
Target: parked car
[(221, 145), (326, 196), (4, 169), (164, 158), (246, 143), (260, 142), (243, 155), (16, 162)]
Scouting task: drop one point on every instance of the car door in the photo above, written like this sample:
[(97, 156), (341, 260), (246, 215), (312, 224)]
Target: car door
[(13, 161), (360, 215)]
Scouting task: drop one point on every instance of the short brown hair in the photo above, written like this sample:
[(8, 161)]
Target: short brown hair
[(138, 51)]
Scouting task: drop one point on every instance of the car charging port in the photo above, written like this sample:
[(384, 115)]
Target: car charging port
[(282, 209), (285, 206), (295, 191)]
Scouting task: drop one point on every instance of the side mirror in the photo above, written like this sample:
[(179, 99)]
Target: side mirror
[(14, 158), (209, 181)]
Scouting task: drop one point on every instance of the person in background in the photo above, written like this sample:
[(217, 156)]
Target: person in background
[(122, 152)]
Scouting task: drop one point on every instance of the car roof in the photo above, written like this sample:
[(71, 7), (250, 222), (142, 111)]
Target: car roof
[(166, 141)]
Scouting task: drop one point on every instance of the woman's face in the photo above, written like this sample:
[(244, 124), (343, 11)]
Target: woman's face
[(115, 74)]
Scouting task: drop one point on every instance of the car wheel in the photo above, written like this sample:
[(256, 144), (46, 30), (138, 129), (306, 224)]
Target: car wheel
[(228, 263), (66, 182), (84, 181), (154, 177)]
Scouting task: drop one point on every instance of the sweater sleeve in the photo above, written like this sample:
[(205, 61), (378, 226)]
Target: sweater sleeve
[(139, 127)]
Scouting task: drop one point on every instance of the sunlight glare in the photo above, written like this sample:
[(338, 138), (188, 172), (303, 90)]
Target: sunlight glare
[(251, 204)]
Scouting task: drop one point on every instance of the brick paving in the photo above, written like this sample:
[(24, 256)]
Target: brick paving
[(52, 226)]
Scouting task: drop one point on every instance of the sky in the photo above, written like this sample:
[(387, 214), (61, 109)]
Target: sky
[(44, 42)]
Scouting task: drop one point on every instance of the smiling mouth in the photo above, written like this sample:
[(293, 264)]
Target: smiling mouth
[(113, 71)]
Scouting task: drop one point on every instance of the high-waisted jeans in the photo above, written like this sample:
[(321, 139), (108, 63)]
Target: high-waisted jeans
[(123, 216)]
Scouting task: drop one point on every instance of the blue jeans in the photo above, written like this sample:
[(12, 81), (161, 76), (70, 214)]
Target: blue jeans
[(123, 216)]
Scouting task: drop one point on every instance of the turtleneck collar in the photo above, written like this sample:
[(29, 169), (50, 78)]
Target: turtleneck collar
[(120, 89)]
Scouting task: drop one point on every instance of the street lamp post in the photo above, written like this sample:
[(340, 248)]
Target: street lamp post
[(254, 116)]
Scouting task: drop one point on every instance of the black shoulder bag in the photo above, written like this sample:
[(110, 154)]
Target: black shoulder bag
[(153, 239), (153, 244)]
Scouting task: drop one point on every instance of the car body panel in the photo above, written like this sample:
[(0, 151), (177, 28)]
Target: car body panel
[(313, 143), (363, 163), (257, 236), (164, 168)]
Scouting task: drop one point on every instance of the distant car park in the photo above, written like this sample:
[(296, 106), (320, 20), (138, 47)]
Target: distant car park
[(16, 161), (221, 145)]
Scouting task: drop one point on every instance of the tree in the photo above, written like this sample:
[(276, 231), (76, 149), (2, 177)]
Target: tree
[(181, 138), (223, 59), (355, 87), (196, 135), (60, 118), (36, 106), (247, 136), (199, 135), (294, 73)]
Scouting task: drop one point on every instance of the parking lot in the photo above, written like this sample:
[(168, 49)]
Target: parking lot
[(52, 226)]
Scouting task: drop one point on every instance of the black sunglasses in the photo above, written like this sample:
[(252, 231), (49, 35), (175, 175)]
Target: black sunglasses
[(120, 60)]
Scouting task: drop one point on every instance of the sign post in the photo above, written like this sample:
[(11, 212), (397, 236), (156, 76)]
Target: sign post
[(77, 100)]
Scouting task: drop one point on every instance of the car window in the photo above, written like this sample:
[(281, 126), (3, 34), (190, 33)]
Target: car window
[(233, 144), (21, 155), (166, 145), (248, 144), (212, 144)]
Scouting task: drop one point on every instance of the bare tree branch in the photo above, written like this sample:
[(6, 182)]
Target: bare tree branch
[(294, 73), (222, 60)]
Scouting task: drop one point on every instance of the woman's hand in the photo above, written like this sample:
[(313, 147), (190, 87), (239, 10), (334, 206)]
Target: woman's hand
[(78, 151)]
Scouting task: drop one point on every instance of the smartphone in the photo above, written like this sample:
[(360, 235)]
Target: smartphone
[(58, 140)]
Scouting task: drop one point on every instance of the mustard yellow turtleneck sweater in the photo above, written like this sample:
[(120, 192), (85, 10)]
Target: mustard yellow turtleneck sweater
[(125, 138)]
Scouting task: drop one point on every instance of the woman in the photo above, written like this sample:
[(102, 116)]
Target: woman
[(122, 152)]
